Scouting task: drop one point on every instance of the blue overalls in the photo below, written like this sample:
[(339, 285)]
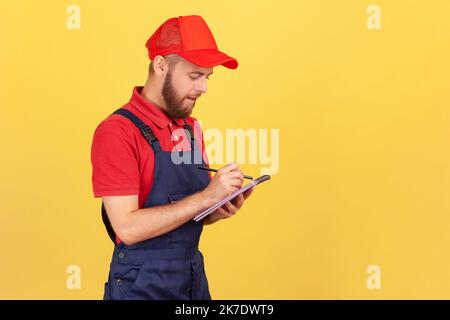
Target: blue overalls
[(169, 266)]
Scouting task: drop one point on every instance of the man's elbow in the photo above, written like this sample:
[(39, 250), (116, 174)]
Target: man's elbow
[(127, 238), (126, 230), (131, 231), (127, 235)]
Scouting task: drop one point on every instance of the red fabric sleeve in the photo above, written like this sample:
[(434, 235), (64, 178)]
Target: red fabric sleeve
[(114, 158)]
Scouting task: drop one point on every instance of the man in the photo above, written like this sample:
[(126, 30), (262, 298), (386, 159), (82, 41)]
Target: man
[(148, 199)]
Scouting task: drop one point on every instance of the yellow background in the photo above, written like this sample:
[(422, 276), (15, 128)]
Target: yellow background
[(364, 120)]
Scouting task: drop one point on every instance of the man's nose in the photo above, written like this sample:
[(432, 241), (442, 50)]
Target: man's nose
[(201, 86)]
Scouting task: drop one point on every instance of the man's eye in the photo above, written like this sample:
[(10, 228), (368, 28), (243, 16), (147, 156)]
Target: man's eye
[(197, 77)]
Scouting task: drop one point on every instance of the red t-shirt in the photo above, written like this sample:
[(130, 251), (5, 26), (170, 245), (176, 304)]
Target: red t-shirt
[(123, 161)]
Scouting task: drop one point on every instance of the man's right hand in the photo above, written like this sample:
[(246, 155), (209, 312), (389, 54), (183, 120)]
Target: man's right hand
[(227, 180)]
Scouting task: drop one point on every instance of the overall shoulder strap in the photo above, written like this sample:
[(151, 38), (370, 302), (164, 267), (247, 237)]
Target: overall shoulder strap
[(188, 128), (146, 131), (198, 153)]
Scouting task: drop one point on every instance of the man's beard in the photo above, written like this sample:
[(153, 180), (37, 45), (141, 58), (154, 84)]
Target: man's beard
[(174, 104)]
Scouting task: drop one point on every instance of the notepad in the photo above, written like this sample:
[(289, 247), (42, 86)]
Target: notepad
[(231, 197)]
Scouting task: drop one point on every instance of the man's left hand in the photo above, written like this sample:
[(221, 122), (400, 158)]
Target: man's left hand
[(229, 209)]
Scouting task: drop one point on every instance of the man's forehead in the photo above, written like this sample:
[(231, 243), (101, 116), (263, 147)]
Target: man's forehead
[(193, 68)]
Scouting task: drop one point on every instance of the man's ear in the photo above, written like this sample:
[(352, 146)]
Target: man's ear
[(160, 65)]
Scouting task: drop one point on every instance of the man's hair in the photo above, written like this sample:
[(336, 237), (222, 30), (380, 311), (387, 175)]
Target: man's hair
[(172, 60)]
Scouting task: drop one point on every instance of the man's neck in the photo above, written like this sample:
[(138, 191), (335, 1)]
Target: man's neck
[(149, 93)]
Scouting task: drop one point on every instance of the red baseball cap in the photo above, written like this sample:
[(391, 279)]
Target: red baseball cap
[(190, 38)]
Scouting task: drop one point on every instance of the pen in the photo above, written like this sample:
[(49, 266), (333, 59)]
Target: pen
[(215, 170)]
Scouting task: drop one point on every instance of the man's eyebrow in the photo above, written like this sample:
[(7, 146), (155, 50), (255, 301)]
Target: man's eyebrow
[(201, 73)]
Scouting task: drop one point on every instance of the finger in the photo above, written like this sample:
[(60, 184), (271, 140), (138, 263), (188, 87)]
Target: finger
[(229, 167), (223, 213), (236, 183), (247, 193), (238, 201), (235, 174), (230, 208)]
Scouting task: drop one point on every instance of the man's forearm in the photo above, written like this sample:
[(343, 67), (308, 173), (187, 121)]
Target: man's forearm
[(147, 223)]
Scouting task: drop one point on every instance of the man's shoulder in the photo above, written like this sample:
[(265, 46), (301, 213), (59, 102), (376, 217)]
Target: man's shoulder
[(115, 124)]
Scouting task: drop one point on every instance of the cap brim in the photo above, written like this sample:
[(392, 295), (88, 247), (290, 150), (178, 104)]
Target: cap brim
[(209, 58)]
